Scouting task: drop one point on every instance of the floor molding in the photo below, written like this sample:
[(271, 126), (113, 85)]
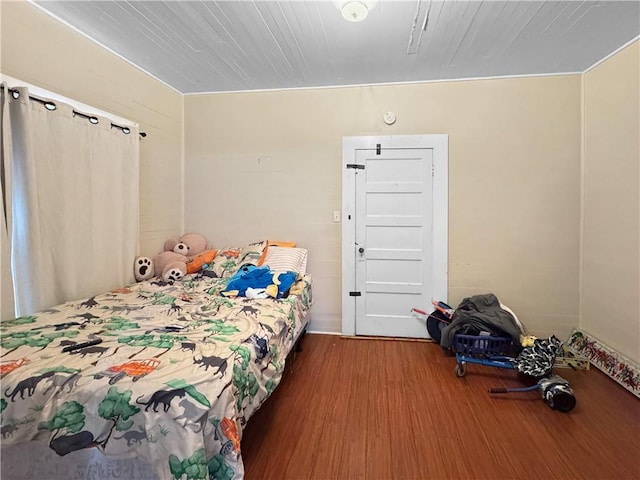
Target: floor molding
[(322, 332), (366, 337), (397, 339), (620, 368)]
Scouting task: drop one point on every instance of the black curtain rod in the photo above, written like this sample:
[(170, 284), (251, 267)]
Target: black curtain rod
[(49, 105)]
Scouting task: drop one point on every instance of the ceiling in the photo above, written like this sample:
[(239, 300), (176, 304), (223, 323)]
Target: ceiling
[(221, 46)]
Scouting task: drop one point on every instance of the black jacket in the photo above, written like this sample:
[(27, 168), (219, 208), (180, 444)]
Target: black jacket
[(481, 313)]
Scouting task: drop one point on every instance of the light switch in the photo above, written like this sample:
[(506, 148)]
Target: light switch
[(336, 216)]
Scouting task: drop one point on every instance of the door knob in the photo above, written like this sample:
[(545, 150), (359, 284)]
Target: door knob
[(361, 250)]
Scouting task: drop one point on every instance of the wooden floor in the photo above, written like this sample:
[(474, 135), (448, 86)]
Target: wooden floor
[(376, 409)]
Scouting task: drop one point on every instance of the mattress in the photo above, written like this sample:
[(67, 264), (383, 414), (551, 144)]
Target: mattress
[(178, 371)]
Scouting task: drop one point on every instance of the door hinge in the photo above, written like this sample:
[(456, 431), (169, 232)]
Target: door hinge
[(355, 294), (378, 147), (355, 166)]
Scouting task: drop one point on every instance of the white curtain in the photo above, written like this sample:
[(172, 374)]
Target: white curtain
[(7, 306), (74, 204)]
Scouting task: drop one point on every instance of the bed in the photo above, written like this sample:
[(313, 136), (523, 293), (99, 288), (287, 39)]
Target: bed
[(179, 370)]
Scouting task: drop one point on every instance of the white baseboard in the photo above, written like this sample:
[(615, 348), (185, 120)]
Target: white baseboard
[(319, 332)]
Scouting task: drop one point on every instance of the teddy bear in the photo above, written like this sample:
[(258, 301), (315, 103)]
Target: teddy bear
[(179, 257)]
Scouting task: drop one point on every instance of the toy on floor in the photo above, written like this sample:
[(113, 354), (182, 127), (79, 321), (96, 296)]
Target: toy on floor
[(555, 390)]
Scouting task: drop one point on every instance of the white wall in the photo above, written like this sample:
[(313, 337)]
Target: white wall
[(268, 165), (41, 51), (44, 52), (610, 294)]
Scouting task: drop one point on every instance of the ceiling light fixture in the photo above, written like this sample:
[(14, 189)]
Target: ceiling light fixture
[(354, 10)]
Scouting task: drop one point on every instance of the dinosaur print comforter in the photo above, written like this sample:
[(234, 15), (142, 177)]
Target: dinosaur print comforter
[(176, 376)]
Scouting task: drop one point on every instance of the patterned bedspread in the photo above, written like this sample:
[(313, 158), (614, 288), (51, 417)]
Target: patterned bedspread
[(179, 371)]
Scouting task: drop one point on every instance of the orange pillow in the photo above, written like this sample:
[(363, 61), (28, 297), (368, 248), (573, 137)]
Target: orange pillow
[(276, 243), (196, 263)]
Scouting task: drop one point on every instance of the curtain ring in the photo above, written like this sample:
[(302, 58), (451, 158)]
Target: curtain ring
[(94, 120), (50, 106)]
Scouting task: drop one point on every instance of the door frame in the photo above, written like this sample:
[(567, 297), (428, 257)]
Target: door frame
[(440, 145)]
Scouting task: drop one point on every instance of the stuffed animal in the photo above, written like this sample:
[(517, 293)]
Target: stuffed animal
[(183, 255), (259, 282)]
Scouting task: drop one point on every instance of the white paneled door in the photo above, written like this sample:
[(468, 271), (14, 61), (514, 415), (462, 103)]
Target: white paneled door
[(390, 264)]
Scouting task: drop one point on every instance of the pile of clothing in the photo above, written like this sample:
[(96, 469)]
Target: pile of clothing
[(484, 314), (537, 360)]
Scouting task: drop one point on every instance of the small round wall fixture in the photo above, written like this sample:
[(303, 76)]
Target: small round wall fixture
[(389, 118)]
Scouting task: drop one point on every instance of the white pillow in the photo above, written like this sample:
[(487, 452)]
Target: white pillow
[(285, 259)]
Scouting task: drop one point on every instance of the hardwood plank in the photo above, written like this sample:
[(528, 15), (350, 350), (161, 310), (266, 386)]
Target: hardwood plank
[(379, 427), (373, 409)]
